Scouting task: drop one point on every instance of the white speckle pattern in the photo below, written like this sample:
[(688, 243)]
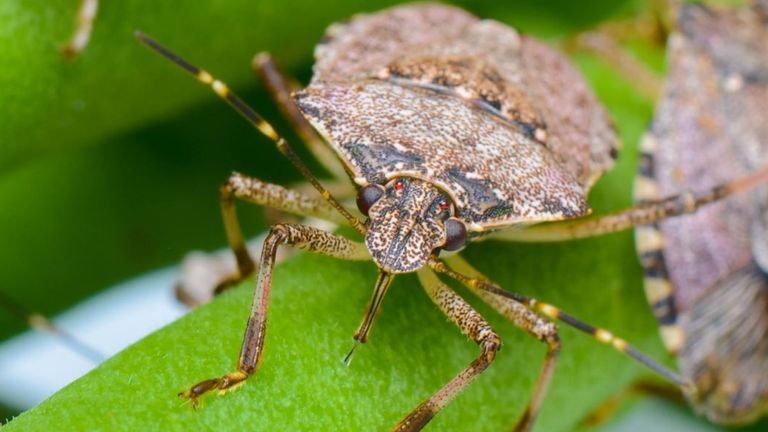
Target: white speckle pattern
[(515, 178), (503, 123)]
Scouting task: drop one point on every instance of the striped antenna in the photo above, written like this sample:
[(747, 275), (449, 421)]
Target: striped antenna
[(255, 120), (40, 323), (553, 312)]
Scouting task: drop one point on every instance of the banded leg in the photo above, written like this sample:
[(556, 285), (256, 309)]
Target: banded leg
[(491, 293), (86, 15), (471, 325), (643, 214), (525, 318), (300, 236), (281, 88), (203, 276), (255, 191)]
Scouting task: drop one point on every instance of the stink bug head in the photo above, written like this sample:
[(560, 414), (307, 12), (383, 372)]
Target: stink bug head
[(407, 224)]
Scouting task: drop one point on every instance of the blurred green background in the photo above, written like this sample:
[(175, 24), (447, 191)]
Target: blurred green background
[(110, 165)]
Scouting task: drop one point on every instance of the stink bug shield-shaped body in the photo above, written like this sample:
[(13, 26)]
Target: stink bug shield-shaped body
[(435, 94), (705, 274), (453, 129)]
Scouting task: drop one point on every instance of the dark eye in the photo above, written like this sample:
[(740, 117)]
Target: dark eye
[(456, 233), (368, 196)]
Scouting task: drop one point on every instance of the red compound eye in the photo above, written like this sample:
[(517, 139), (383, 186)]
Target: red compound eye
[(399, 185), (444, 205)]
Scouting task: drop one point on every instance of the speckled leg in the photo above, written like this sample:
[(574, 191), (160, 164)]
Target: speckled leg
[(525, 318), (281, 88), (255, 191), (86, 15), (500, 299), (643, 214), (300, 236), (473, 326), (202, 276)]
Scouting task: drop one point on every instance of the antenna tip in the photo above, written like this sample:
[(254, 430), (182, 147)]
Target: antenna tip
[(144, 38), (348, 358)]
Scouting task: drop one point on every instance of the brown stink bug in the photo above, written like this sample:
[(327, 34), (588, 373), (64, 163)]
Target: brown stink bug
[(705, 274), (453, 129)]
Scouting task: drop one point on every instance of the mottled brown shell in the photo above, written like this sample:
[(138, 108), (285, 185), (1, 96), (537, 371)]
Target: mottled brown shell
[(499, 121), (710, 127)]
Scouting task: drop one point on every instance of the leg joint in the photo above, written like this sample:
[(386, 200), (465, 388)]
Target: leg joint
[(490, 345), (230, 185), (553, 341), (237, 184), (278, 234), (280, 230)]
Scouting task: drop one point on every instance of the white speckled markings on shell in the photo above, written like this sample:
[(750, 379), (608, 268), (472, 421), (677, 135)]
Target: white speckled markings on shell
[(495, 174), (501, 122)]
